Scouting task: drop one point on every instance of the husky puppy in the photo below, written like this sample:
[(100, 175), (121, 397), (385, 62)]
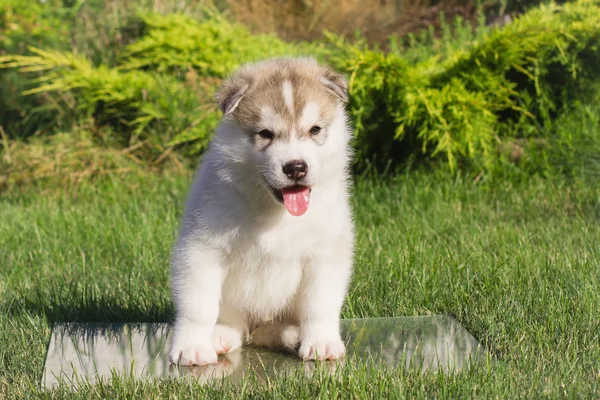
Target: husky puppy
[(264, 254)]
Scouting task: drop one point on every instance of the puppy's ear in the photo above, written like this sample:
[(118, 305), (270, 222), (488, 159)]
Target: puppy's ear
[(336, 83), (229, 95)]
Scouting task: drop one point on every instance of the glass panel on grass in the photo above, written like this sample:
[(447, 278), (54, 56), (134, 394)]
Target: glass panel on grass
[(92, 351)]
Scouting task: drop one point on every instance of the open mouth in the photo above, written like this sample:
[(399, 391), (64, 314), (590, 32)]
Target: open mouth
[(295, 198)]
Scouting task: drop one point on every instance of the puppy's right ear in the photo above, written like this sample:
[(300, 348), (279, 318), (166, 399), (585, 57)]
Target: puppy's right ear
[(336, 83), (229, 95)]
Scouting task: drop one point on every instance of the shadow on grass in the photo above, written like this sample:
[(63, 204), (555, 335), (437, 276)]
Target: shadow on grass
[(84, 306)]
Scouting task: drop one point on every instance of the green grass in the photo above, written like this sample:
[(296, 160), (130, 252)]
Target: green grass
[(517, 264)]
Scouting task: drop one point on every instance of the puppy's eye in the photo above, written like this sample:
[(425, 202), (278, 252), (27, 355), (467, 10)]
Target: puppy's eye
[(266, 134), (315, 130)]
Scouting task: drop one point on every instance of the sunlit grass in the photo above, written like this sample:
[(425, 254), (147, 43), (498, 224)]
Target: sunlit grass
[(516, 264)]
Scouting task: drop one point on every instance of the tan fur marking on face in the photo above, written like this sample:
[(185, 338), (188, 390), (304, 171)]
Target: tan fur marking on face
[(285, 87)]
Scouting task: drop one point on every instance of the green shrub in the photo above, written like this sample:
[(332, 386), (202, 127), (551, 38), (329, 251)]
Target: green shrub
[(161, 94), (450, 37), (213, 47), (573, 147), (139, 106), (23, 24), (513, 82), (461, 100)]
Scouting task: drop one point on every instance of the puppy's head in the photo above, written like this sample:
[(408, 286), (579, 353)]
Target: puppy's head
[(290, 114)]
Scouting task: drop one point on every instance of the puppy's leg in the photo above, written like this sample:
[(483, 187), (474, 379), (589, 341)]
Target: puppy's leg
[(277, 335), (196, 283), (320, 299)]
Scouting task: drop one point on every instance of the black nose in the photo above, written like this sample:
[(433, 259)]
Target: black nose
[(295, 169)]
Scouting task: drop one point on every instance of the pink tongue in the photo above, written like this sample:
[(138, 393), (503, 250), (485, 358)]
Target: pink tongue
[(296, 199)]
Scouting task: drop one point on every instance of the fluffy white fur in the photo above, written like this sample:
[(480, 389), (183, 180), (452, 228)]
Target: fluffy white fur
[(246, 271)]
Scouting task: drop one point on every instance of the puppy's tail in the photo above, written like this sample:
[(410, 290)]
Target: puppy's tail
[(276, 335)]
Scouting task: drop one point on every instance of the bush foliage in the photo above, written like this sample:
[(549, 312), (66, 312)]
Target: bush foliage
[(212, 47), (460, 99), (512, 82)]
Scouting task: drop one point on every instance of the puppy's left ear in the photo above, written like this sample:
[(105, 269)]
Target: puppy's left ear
[(231, 93), (336, 83)]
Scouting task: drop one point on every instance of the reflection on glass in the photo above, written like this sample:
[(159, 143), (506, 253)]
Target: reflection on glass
[(91, 351)]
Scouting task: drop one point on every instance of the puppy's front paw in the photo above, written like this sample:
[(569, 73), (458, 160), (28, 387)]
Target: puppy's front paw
[(192, 345), (194, 355), (226, 339), (322, 349)]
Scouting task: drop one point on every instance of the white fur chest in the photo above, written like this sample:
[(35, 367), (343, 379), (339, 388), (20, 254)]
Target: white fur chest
[(265, 264)]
